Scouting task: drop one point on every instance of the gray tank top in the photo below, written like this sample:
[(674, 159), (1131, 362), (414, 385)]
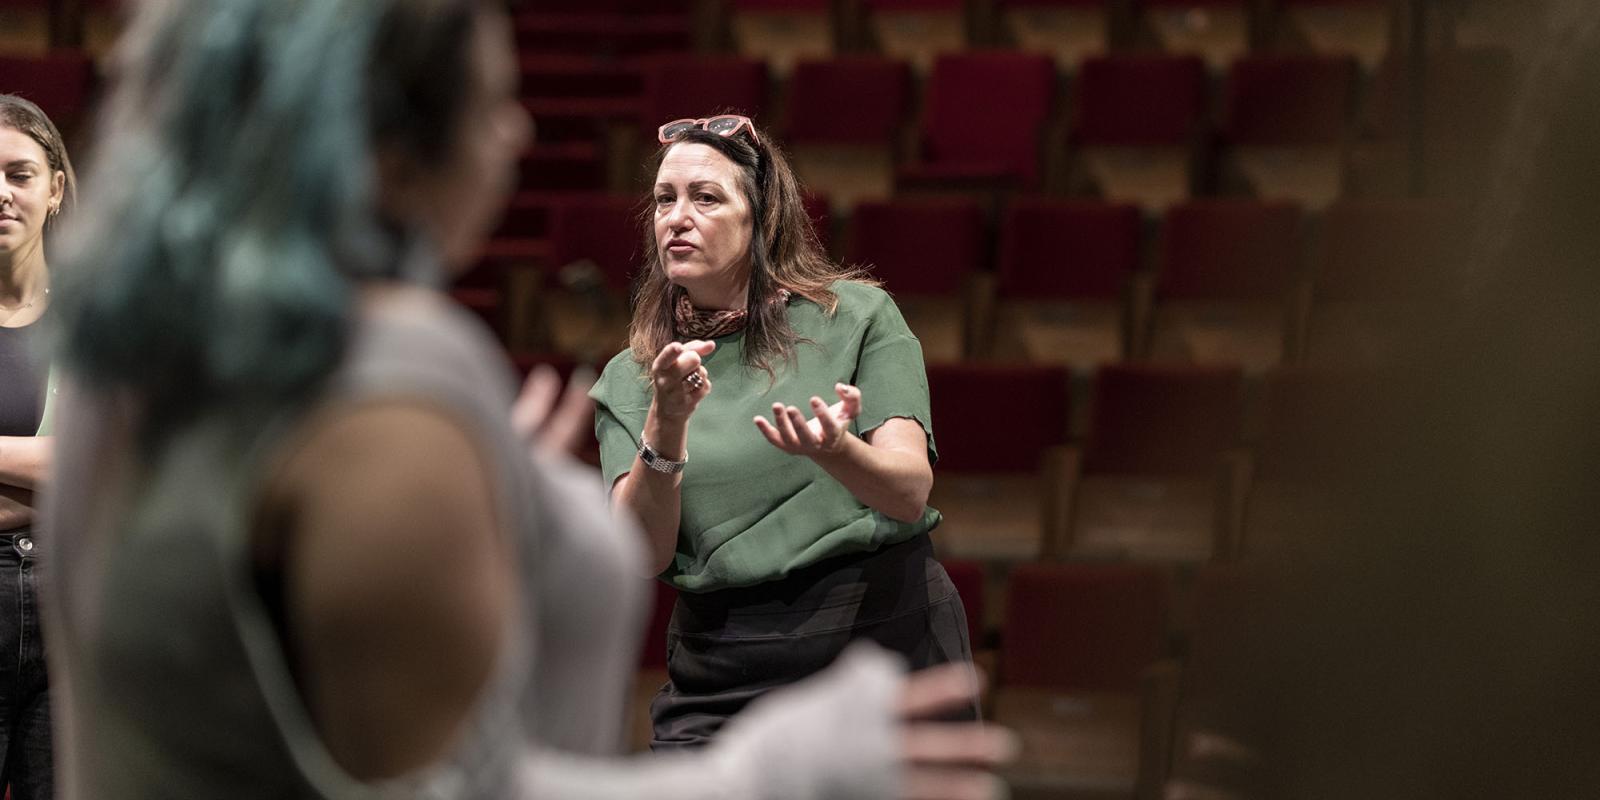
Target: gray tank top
[(176, 684)]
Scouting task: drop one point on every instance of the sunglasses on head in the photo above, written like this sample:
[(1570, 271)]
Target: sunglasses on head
[(724, 125)]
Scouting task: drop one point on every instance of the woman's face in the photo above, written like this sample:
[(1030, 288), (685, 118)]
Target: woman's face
[(703, 225), (29, 191), (459, 200)]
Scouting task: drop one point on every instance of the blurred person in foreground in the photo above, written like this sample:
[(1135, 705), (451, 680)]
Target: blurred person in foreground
[(36, 183), (768, 427), (303, 552), (1428, 628)]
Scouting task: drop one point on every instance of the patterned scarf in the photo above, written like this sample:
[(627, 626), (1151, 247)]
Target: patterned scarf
[(694, 323)]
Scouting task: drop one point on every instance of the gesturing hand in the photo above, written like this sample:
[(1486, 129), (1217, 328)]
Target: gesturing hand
[(824, 433), (550, 418), (679, 380), (949, 760)]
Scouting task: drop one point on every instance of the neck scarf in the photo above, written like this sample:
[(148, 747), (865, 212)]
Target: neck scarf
[(696, 323)]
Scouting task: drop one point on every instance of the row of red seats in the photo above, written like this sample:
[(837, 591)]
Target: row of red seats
[(990, 113), (1053, 248)]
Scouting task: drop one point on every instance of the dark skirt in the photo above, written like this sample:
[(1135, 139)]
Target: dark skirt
[(727, 648)]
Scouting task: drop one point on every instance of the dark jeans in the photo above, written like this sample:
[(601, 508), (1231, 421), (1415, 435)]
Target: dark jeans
[(24, 704), (727, 648)]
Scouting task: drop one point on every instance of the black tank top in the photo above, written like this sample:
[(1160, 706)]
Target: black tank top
[(23, 382)]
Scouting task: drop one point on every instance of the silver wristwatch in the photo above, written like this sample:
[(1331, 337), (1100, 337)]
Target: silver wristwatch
[(658, 462)]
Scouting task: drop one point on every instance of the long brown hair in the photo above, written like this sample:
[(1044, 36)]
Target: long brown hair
[(784, 254)]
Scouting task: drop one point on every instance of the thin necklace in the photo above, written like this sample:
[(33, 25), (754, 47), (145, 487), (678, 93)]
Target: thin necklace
[(11, 312)]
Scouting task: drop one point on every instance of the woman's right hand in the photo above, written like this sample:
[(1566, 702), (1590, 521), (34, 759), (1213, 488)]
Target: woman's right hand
[(677, 394)]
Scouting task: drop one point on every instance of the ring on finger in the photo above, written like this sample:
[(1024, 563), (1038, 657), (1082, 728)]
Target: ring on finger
[(694, 380)]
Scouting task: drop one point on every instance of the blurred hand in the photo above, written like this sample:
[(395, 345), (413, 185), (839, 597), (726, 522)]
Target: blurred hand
[(824, 433), (553, 419), (949, 760), (676, 393)]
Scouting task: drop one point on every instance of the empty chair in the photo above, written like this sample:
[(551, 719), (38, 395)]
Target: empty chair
[(1076, 643), (845, 119), (1067, 30), (999, 494), (1138, 121), (1216, 30), (1466, 102), (1313, 423), (783, 31), (694, 86), (607, 30), (1361, 29), (596, 244), (562, 167), (1224, 288), (928, 252), (1381, 268), (1063, 282), (983, 119), (24, 27), (61, 83), (918, 31), (1286, 123), (1160, 475), (1225, 609), (580, 98)]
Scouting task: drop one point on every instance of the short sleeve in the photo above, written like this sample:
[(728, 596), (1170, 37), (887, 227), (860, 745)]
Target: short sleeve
[(618, 416), (891, 374)]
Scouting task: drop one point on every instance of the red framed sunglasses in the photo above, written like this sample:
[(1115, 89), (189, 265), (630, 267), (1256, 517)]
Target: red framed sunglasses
[(724, 125)]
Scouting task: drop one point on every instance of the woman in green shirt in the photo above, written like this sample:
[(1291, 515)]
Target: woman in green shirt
[(790, 532)]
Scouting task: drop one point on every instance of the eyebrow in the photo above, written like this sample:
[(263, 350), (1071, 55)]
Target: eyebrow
[(22, 162), (695, 185)]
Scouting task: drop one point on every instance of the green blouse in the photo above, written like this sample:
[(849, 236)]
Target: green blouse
[(751, 512)]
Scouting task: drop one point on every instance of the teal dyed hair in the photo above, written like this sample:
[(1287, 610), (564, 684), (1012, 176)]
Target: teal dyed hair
[(231, 205)]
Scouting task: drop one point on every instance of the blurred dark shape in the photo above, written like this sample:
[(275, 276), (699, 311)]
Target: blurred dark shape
[(1420, 622)]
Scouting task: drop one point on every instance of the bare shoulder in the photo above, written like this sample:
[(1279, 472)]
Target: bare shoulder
[(391, 554)]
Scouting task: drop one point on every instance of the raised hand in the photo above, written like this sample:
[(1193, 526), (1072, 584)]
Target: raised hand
[(550, 418), (678, 378), (824, 433)]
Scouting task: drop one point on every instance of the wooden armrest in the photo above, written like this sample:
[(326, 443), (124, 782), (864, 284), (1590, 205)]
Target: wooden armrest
[(1158, 715), (979, 300), (1141, 301), (1058, 487), (1235, 471), (1297, 323)]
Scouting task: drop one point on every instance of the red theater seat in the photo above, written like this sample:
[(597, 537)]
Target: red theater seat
[(1075, 649), (596, 246), (1138, 121), (917, 30), (999, 494), (61, 83), (1064, 274), (1381, 267), (845, 118), (1087, 627), (1223, 292), (1160, 476), (695, 86), (928, 252), (982, 120), (1286, 121)]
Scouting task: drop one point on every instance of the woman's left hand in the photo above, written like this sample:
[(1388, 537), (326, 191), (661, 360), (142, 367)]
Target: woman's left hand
[(824, 433)]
